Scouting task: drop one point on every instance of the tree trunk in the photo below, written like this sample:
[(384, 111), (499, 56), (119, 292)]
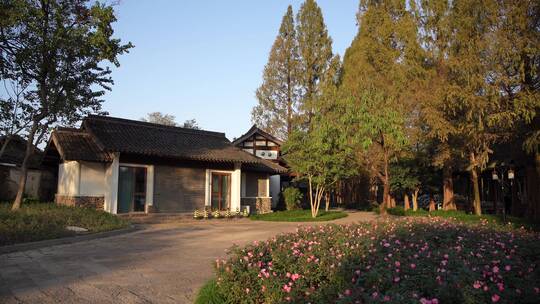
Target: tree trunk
[(533, 197), (311, 205), (386, 186), (407, 205), (448, 189), (431, 204), (477, 207), (24, 167), (415, 199), (392, 201), (327, 201), (319, 192), (6, 142)]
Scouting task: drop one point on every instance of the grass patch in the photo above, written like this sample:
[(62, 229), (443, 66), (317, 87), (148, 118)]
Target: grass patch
[(209, 294), (42, 221), (298, 216), (492, 220)]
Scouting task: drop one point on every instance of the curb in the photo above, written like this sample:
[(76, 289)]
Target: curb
[(66, 240)]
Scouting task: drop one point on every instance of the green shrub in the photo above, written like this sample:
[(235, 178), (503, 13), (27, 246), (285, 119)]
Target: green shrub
[(40, 221), (293, 198), (209, 294), (399, 211), (403, 260)]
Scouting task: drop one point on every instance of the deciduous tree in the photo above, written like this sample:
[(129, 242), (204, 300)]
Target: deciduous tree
[(379, 70), (56, 47), (160, 118)]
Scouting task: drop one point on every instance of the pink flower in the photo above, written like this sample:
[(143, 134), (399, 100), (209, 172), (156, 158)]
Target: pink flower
[(396, 279), (413, 266), (374, 294), (348, 292), (495, 269), (507, 267), (495, 298), (477, 284), (286, 288), (397, 263)]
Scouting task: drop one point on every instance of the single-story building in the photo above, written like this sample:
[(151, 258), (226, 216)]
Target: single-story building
[(123, 166), (40, 182)]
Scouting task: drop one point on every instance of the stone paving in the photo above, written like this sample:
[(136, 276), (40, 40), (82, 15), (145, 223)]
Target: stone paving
[(163, 263)]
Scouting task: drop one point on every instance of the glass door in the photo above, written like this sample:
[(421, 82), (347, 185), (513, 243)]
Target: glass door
[(221, 189), (131, 189)]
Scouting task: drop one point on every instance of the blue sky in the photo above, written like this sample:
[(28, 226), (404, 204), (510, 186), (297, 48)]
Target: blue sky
[(204, 59)]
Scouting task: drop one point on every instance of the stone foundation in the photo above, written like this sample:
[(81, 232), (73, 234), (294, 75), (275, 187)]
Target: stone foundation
[(258, 205), (95, 202)]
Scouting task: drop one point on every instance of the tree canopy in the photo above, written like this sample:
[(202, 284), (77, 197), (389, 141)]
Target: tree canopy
[(56, 50)]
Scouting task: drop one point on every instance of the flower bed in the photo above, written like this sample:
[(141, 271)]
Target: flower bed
[(411, 260)]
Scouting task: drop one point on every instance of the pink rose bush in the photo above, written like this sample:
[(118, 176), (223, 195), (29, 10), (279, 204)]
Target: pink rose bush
[(411, 260)]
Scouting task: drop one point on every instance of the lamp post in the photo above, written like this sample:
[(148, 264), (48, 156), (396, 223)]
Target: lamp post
[(495, 177), (511, 176)]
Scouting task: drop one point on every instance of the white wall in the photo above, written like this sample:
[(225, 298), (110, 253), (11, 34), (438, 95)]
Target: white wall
[(68, 178), (111, 184), (33, 180), (92, 180), (236, 185)]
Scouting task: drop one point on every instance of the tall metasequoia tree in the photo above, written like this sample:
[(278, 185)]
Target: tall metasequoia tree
[(315, 50), (277, 110), (515, 71), (434, 19), (476, 105), (378, 73), (56, 47)]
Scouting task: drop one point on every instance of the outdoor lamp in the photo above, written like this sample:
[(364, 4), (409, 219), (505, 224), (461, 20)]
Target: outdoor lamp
[(510, 174), (494, 175)]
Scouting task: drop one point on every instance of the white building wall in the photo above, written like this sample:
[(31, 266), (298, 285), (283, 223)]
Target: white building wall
[(150, 185), (236, 184), (111, 185), (92, 180), (69, 178)]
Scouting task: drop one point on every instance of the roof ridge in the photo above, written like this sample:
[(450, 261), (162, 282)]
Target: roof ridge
[(154, 125), (254, 129), (70, 129)]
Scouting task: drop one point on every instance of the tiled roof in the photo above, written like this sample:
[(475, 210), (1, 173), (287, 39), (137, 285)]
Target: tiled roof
[(74, 144), (100, 136), (255, 130), (15, 150)]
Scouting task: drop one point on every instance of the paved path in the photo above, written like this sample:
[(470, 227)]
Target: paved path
[(164, 263)]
